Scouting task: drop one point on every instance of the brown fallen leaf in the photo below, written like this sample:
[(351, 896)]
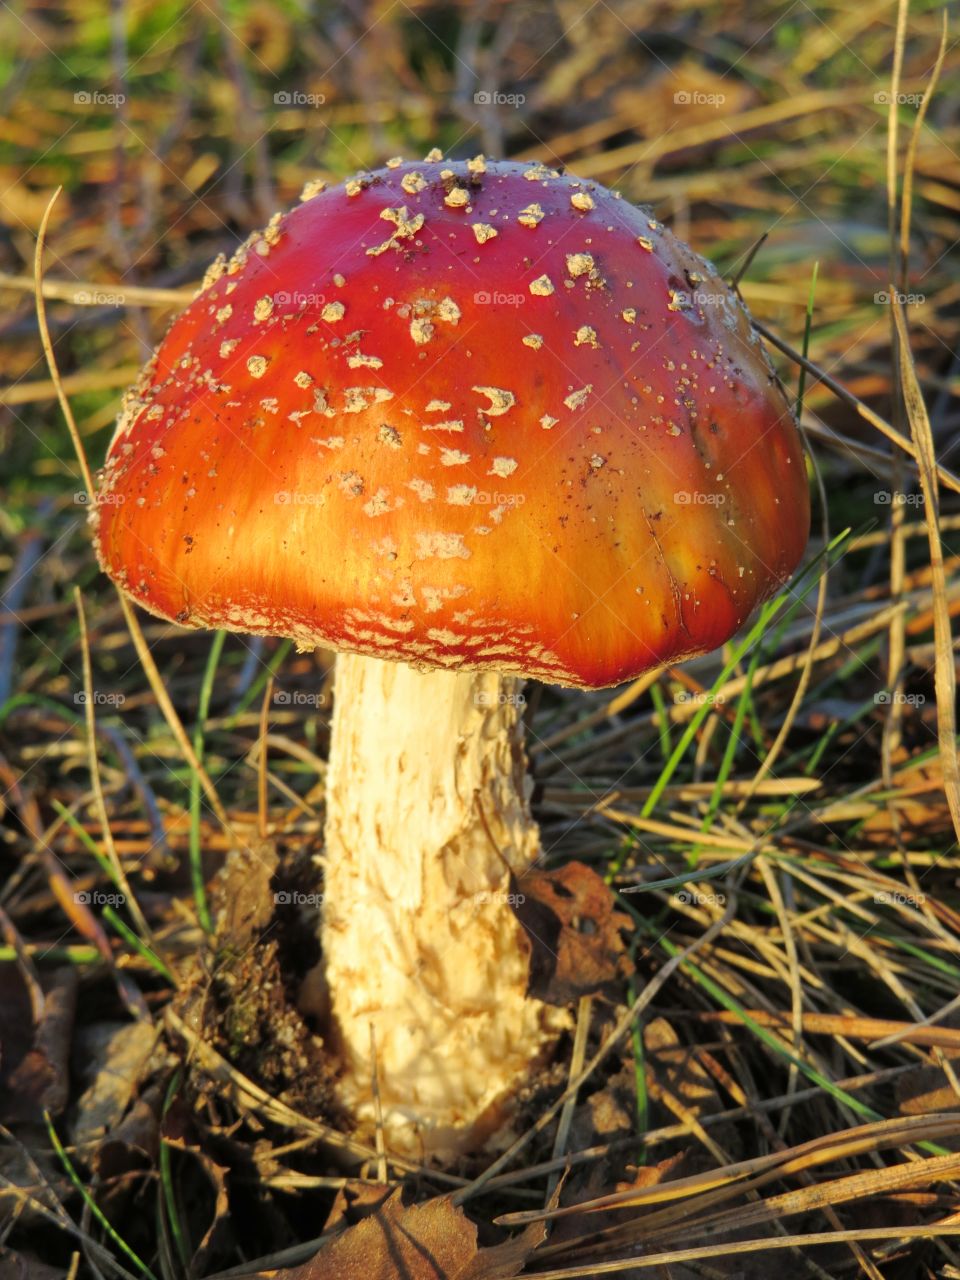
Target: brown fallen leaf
[(705, 96), (681, 1085), (926, 1088), (430, 1241), (22, 1266), (568, 1230), (35, 1043), (134, 1143), (355, 1201), (242, 894), (32, 1180), (574, 926), (203, 1185), (677, 1068), (113, 1057)]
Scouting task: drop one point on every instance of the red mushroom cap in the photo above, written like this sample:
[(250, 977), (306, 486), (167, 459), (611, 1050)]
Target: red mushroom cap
[(463, 415)]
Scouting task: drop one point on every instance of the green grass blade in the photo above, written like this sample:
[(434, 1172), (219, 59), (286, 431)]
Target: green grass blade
[(196, 859), (141, 948), (169, 1194), (663, 719), (89, 1201), (723, 998), (258, 686), (639, 1077)]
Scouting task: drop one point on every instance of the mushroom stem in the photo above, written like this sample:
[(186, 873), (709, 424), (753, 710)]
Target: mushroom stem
[(427, 804)]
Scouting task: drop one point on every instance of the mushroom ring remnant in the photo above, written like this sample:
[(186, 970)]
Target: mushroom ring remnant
[(463, 422)]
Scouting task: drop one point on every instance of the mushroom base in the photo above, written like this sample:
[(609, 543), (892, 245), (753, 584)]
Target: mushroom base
[(427, 811)]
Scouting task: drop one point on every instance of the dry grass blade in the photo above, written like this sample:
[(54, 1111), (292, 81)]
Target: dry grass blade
[(624, 699), (699, 1221), (945, 673), (897, 1036), (87, 294), (668, 1133), (118, 873), (169, 712), (731, 1249), (748, 1174), (908, 446), (76, 383), (871, 1183), (584, 1011), (48, 347), (806, 672), (871, 1029)]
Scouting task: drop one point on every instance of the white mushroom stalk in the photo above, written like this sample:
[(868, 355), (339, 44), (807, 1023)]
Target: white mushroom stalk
[(427, 814)]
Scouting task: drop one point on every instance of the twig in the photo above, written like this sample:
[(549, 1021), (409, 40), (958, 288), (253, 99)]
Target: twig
[(48, 348), (864, 411), (119, 876), (584, 1009)]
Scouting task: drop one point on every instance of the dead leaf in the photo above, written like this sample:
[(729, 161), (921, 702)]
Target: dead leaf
[(31, 1176), (133, 1144), (504, 1261), (688, 95), (679, 1077), (355, 1201), (926, 1089), (34, 1051), (430, 1241), (651, 1175), (114, 1057), (22, 1266), (202, 1184), (243, 894), (568, 1230), (574, 926)]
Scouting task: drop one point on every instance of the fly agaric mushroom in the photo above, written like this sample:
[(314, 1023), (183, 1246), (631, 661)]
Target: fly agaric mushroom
[(464, 423)]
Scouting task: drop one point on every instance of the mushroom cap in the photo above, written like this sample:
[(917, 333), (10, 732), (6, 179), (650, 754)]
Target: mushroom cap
[(465, 415)]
